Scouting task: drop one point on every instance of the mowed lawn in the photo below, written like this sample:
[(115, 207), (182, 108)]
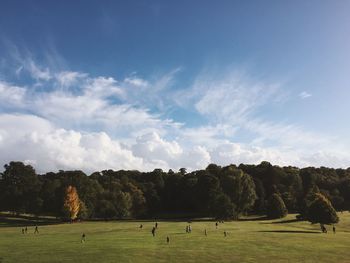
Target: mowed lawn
[(123, 241)]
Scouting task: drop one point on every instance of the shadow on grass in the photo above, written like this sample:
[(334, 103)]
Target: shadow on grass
[(15, 222), (283, 221), (290, 231), (259, 218)]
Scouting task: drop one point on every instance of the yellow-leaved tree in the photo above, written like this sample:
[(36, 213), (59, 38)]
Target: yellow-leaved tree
[(71, 204)]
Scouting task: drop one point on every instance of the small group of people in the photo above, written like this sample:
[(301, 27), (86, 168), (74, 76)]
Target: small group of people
[(188, 229), (25, 230), (324, 229)]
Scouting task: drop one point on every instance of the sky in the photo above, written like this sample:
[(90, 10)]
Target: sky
[(97, 85)]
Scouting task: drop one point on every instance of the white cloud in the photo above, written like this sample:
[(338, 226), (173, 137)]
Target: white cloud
[(304, 95), (230, 96), (137, 82), (103, 87), (37, 72), (76, 121), (27, 137), (69, 78), (37, 141), (11, 95)]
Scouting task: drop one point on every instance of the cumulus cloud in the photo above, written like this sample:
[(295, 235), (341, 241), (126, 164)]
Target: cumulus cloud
[(169, 154), (31, 138), (37, 141)]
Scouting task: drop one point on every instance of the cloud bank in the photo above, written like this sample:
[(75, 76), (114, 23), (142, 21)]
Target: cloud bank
[(64, 119)]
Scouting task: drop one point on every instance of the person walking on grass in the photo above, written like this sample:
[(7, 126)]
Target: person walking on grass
[(167, 240), (83, 238), (156, 225), (153, 231), (23, 231), (205, 232), (26, 230), (36, 231), (216, 225), (333, 229), (225, 233)]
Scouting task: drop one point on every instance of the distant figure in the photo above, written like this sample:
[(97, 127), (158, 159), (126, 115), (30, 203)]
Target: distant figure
[(205, 232), (167, 239), (23, 231), (141, 226), (216, 225), (189, 229), (333, 229), (83, 238), (186, 229), (153, 231), (225, 233), (26, 230), (36, 231), (323, 228), (156, 225)]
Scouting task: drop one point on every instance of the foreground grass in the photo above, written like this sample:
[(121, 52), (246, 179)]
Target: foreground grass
[(122, 241)]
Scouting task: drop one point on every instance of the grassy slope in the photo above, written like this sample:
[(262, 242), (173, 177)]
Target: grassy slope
[(247, 241)]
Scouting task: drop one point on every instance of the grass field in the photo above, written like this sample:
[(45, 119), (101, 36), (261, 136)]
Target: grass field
[(122, 241)]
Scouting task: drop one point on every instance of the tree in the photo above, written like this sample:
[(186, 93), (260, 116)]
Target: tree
[(240, 187), (83, 211), (123, 204), (276, 207), (138, 207), (20, 188), (105, 209), (259, 205), (321, 211), (182, 171), (307, 201), (72, 203), (223, 208), (207, 189)]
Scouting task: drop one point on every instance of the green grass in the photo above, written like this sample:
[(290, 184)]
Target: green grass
[(123, 241)]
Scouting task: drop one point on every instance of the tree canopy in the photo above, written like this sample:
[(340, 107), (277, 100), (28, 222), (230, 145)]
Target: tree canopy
[(222, 192), (321, 211)]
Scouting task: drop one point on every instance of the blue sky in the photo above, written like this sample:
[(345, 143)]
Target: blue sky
[(144, 84)]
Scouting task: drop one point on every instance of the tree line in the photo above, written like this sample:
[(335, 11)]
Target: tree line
[(221, 192)]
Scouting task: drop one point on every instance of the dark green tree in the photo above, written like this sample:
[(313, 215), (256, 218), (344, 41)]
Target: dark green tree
[(321, 211), (240, 187), (20, 189), (223, 208), (276, 207)]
